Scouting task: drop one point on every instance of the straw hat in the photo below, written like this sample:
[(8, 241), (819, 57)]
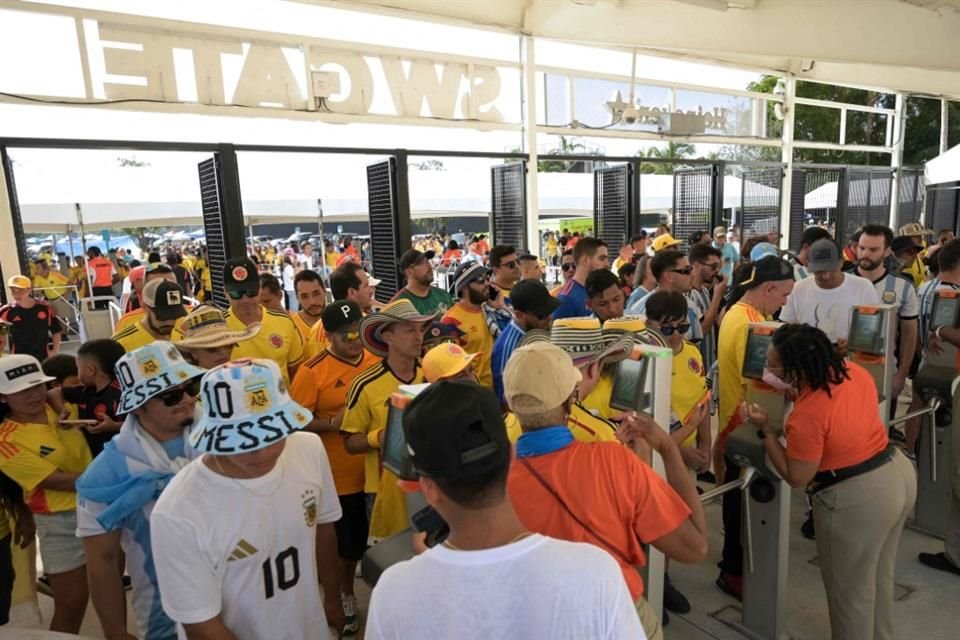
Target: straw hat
[(583, 339), (206, 328), (397, 311)]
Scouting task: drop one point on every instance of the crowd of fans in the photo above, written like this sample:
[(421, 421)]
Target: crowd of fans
[(230, 460)]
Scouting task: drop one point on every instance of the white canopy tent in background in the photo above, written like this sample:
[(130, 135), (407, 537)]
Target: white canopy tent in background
[(943, 168)]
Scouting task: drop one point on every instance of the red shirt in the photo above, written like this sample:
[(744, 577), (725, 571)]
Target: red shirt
[(609, 489)]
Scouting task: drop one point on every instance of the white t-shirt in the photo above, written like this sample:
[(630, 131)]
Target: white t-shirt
[(828, 309), (288, 276), (305, 261), (537, 587), (246, 549)]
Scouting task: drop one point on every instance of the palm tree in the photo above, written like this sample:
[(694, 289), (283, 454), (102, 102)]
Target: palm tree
[(673, 151)]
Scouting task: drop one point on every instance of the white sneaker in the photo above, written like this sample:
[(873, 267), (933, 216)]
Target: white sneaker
[(350, 612)]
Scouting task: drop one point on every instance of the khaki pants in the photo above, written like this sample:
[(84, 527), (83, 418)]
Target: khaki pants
[(648, 619), (859, 522), (951, 544)]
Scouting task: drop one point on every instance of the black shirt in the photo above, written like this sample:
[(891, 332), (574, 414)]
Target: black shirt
[(31, 328), (95, 404)]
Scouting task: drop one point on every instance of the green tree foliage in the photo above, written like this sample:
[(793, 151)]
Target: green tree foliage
[(142, 235), (673, 151)]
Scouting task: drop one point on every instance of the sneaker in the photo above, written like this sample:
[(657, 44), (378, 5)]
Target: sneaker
[(938, 561), (730, 584), (896, 436), (43, 585), (707, 476), (673, 600), (807, 529), (350, 612)]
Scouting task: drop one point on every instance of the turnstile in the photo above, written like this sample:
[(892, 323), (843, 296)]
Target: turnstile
[(871, 344)]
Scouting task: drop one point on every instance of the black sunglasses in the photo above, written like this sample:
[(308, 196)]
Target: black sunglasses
[(509, 265), (567, 266), (684, 272), (174, 396), (681, 328), (239, 294)]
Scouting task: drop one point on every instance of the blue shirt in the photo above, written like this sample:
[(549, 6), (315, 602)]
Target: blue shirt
[(573, 301), (636, 296), (503, 348), (694, 334), (730, 257)]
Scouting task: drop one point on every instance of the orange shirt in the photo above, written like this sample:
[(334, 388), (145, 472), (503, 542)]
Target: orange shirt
[(314, 337), (321, 385), (839, 431), (609, 489), (451, 254), (102, 271)]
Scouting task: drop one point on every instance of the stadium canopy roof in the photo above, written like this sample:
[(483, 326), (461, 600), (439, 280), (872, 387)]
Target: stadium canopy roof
[(896, 45)]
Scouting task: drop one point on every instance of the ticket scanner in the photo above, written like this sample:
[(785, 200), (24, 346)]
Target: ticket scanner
[(641, 383), (871, 344), (936, 383), (766, 499)]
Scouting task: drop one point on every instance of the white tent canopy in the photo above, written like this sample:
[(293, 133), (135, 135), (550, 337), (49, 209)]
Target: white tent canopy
[(943, 168)]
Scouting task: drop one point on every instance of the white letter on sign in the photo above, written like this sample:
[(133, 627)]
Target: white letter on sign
[(154, 63), (484, 90), (409, 91), (355, 69), (266, 77)]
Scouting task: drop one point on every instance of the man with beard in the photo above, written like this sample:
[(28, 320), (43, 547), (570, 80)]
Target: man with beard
[(418, 271), (117, 492), (312, 299), (471, 284), (873, 248), (162, 306)]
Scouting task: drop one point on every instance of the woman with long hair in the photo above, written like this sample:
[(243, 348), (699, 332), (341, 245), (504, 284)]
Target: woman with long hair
[(45, 460), (862, 487)]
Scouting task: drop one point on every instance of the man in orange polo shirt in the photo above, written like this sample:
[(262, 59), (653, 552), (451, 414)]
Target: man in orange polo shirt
[(321, 385), (599, 492), (102, 274)]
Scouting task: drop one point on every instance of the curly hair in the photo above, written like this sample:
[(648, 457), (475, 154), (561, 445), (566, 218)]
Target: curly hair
[(808, 355)]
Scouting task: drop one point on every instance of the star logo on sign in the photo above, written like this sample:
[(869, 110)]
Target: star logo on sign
[(618, 105)]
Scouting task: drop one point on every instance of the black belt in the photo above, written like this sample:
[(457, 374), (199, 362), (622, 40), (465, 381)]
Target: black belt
[(825, 479)]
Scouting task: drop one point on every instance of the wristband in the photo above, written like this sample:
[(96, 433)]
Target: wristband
[(937, 332)]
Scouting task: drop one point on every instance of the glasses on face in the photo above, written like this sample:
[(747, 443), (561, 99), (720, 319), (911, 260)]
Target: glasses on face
[(509, 265), (712, 265), (174, 396), (670, 329), (567, 266), (240, 294), (349, 336), (684, 271)]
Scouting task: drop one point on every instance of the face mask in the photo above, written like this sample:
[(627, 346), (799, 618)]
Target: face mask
[(775, 381)]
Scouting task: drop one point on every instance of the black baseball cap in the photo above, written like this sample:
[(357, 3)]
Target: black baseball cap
[(824, 255), (531, 296), (768, 269), (241, 274), (165, 298), (456, 440), (904, 243), (339, 314), (411, 257)]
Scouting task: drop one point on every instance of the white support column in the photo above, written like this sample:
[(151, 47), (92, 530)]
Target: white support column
[(9, 256), (786, 156), (896, 156), (944, 125), (530, 142)]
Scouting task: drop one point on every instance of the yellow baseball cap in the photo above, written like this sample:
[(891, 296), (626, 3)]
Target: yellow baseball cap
[(445, 361), (664, 241), (20, 282)]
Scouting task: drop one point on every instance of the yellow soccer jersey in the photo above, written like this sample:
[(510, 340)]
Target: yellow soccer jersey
[(136, 335), (278, 340), (313, 336)]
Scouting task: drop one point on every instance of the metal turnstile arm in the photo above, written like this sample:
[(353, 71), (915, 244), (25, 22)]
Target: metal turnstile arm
[(743, 485)]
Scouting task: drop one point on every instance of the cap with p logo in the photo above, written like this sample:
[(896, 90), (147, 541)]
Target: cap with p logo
[(340, 314)]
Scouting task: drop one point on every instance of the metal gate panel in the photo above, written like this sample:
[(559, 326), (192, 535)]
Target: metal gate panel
[(694, 191), (760, 201), (911, 197), (818, 197), (942, 206), (612, 205), (867, 201), (18, 235), (508, 210), (222, 217), (389, 225)]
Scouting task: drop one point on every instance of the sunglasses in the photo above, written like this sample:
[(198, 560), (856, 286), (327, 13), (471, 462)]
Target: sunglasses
[(240, 294), (680, 328), (567, 266), (509, 265), (349, 336), (684, 272), (174, 396)]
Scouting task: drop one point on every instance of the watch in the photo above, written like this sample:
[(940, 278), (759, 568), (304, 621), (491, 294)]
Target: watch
[(761, 434)]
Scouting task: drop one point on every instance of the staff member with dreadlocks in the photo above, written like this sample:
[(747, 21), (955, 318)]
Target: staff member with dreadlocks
[(862, 487)]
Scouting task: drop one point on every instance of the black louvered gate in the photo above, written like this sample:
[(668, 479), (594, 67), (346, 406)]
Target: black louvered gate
[(695, 192), (613, 211), (943, 205), (222, 216), (910, 204), (18, 236), (867, 200), (817, 197), (389, 206), (508, 210), (760, 193)]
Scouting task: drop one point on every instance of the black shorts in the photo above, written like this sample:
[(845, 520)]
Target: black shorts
[(352, 528), (6, 578)]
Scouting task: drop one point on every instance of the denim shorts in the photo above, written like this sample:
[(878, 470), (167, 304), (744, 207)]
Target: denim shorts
[(60, 548)]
